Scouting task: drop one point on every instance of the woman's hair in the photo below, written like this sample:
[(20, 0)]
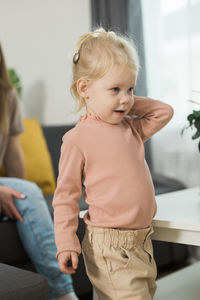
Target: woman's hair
[(96, 52), (5, 86)]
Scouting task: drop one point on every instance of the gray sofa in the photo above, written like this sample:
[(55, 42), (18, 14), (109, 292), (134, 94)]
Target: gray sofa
[(12, 253), (11, 249)]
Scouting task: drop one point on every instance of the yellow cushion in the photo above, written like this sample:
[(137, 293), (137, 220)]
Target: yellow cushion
[(39, 167)]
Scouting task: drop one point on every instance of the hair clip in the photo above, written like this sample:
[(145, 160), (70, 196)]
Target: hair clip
[(76, 57)]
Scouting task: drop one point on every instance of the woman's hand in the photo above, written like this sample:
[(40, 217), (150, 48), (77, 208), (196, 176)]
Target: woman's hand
[(63, 259), (7, 202)]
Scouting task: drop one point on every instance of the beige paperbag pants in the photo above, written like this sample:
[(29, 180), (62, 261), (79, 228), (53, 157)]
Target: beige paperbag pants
[(120, 263)]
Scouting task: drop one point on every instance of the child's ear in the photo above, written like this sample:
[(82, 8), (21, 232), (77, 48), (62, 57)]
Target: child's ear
[(82, 87)]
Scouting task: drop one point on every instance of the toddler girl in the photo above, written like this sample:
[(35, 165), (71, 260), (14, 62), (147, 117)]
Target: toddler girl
[(105, 154)]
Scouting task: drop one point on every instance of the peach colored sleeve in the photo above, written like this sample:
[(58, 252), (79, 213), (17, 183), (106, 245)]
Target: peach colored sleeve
[(152, 115), (67, 194)]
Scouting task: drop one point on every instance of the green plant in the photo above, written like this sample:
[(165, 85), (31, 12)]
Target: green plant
[(15, 80), (194, 121)]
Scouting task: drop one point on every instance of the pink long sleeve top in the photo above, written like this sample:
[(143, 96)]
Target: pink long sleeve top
[(109, 160)]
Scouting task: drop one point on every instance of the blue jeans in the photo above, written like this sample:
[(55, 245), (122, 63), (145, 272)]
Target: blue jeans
[(37, 234)]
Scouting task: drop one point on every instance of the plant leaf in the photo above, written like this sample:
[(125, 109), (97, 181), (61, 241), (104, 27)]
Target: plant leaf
[(197, 124), (15, 80), (196, 135), (196, 113), (182, 131), (190, 118)]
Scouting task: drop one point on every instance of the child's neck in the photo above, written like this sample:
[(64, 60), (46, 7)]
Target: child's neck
[(90, 112)]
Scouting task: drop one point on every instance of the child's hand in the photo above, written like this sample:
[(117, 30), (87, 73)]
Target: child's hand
[(63, 259)]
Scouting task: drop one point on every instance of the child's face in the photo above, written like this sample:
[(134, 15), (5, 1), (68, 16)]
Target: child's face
[(111, 97)]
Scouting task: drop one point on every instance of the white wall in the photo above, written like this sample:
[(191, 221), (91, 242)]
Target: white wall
[(38, 37)]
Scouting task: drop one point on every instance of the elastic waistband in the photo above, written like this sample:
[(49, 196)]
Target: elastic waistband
[(117, 238)]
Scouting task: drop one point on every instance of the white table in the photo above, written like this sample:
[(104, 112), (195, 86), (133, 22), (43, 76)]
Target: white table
[(177, 219)]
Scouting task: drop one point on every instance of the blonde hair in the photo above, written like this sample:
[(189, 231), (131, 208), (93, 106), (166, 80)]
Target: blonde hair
[(5, 86), (96, 52)]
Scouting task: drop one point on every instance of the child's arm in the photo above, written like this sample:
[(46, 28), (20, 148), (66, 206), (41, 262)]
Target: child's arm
[(66, 196), (152, 115)]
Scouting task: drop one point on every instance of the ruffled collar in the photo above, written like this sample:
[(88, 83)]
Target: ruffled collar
[(89, 116)]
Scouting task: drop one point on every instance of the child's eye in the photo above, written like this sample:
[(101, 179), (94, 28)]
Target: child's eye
[(115, 89), (131, 90)]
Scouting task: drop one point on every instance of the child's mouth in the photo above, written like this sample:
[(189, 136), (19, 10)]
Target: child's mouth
[(119, 112)]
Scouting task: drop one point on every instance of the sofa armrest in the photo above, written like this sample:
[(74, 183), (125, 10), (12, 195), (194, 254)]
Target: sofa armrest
[(20, 284)]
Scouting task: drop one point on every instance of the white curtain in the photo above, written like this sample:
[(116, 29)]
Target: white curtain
[(172, 52)]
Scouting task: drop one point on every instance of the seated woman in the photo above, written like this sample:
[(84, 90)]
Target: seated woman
[(23, 200)]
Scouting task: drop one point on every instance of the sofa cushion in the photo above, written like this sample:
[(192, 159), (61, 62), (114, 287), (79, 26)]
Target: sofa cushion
[(19, 284), (53, 135), (39, 167)]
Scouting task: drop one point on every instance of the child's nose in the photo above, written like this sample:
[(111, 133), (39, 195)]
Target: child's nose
[(125, 99)]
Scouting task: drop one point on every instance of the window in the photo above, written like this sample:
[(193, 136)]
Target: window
[(172, 51)]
